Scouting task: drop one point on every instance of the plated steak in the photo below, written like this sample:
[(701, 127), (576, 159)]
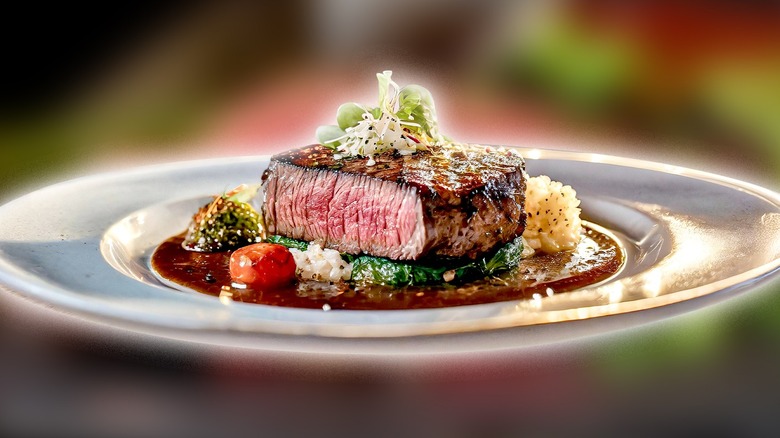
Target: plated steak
[(443, 202)]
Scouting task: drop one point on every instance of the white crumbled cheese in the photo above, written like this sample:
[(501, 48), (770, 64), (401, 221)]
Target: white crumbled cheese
[(553, 223), (321, 264)]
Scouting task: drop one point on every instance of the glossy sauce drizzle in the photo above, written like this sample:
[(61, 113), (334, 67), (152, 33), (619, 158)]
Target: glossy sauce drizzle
[(597, 258)]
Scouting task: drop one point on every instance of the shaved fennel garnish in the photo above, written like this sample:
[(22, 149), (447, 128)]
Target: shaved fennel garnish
[(404, 121)]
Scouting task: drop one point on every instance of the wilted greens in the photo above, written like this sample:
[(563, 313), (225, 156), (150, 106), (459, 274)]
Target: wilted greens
[(378, 270)]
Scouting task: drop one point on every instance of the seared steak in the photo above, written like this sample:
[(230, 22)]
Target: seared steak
[(444, 202)]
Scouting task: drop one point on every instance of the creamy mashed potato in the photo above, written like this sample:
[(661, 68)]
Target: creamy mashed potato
[(553, 223)]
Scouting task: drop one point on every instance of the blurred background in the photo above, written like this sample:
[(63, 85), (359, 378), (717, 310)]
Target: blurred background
[(696, 84)]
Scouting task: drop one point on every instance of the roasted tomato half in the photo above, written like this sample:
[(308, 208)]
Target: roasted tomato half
[(262, 266)]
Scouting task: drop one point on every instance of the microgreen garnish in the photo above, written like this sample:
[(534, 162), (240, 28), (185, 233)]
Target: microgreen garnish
[(405, 121)]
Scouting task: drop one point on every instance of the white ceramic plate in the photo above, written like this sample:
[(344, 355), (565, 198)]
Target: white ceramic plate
[(692, 239)]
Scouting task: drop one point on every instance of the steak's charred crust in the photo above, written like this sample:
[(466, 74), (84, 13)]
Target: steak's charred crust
[(472, 197), (448, 173)]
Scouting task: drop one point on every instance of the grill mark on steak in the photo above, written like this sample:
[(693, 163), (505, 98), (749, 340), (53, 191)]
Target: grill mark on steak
[(453, 203)]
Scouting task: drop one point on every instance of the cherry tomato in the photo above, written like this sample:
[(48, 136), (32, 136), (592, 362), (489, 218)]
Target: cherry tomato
[(262, 265)]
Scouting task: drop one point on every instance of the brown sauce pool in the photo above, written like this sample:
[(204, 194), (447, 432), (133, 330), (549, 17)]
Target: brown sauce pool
[(597, 258)]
